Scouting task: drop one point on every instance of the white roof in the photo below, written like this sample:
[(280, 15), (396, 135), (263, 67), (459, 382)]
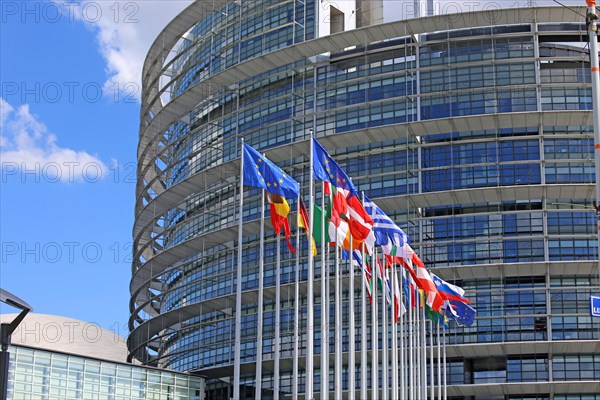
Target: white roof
[(68, 335)]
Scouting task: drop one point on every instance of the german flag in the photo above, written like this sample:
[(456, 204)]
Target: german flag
[(303, 223)]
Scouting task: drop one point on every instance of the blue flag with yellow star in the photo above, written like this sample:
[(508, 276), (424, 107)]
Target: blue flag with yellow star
[(325, 169), (262, 173)]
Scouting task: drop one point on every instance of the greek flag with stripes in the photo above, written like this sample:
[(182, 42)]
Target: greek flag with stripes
[(387, 234)]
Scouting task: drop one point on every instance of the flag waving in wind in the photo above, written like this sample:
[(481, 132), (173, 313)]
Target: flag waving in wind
[(303, 223), (326, 169), (279, 217), (449, 291), (387, 234), (262, 173)]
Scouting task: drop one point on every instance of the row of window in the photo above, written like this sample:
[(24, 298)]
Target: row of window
[(503, 316), (235, 34), (38, 374)]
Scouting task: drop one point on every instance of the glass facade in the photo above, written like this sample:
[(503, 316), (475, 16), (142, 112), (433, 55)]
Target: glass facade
[(44, 375), (477, 142)]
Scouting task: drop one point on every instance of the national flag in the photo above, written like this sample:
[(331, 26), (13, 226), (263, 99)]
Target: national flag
[(317, 234), (449, 291), (368, 276), (327, 170), (421, 277), (408, 266), (434, 316), (279, 216), (398, 305), (387, 234), (348, 217), (338, 226), (339, 231), (423, 280), (361, 224), (435, 301), (462, 313), (357, 257), (262, 173), (384, 282), (410, 288), (303, 223), (338, 204)]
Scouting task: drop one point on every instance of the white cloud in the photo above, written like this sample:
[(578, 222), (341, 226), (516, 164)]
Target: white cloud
[(28, 150), (124, 32)]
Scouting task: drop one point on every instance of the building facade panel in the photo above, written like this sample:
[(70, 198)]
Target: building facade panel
[(42, 374)]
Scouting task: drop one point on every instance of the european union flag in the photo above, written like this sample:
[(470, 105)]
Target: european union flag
[(325, 169), (262, 173), (461, 312)]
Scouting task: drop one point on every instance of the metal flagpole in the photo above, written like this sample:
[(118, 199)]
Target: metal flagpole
[(328, 311), (277, 350), (411, 353), (297, 311), (309, 287), (324, 305), (337, 379), (351, 338), (402, 354), (431, 366), (394, 327), (444, 363), (363, 330), (409, 348), (423, 356), (374, 330), (418, 349), (238, 294), (384, 329), (261, 274), (439, 364), (591, 19)]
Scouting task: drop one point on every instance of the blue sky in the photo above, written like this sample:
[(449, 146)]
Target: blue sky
[(70, 111), (69, 115)]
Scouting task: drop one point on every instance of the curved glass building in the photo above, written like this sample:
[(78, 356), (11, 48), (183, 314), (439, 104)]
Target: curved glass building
[(472, 131)]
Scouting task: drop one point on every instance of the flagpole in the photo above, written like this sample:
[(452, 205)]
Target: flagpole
[(277, 351), (444, 362), (384, 328), (363, 330), (439, 364), (394, 326), (351, 338), (310, 289), (402, 355), (324, 305), (419, 386), (374, 330), (238, 294), (261, 274), (431, 367), (411, 339), (337, 379), (297, 311), (423, 354)]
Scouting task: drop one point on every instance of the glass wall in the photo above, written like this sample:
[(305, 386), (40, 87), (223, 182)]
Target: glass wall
[(378, 97), (42, 375)]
